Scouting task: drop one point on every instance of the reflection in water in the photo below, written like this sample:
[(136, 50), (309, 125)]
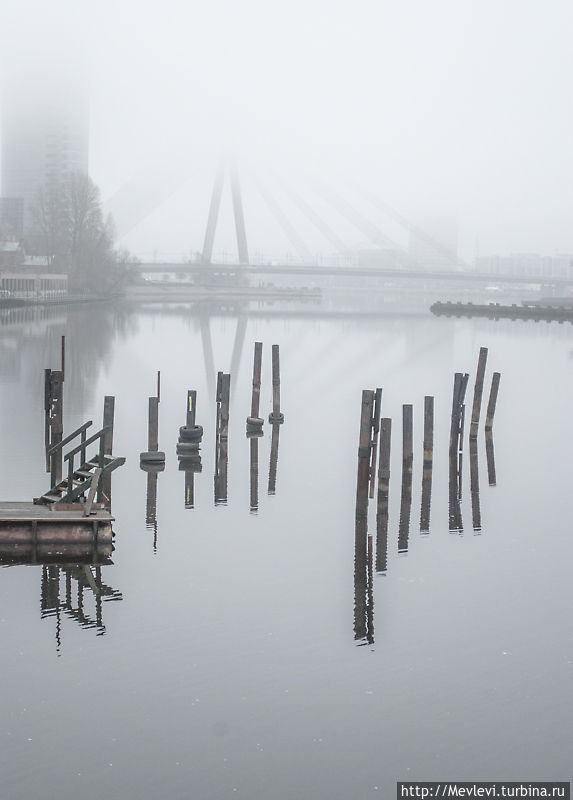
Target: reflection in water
[(151, 500), (363, 588), (254, 437), (73, 604), (474, 485), (274, 459), (190, 465), (454, 506), (489, 451)]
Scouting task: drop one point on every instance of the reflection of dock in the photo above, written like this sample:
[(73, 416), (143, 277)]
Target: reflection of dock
[(548, 313), (31, 533)]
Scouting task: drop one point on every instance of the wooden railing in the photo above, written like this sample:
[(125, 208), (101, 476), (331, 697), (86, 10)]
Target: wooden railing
[(54, 453)]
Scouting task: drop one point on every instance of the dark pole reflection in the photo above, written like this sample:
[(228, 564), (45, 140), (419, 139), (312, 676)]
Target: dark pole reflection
[(490, 455), (363, 578), (274, 459), (190, 465), (254, 437), (454, 506), (474, 485), (73, 604)]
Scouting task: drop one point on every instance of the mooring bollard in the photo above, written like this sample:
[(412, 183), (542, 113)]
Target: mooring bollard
[(276, 415), (383, 491), (375, 431), (364, 446), (492, 401), (254, 422), (478, 391)]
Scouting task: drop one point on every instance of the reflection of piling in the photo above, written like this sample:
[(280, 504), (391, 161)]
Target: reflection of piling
[(274, 458), (490, 455), (428, 463), (104, 489), (478, 391), (383, 490), (254, 487), (363, 478), (407, 459), (375, 432), (492, 401), (151, 504), (276, 415), (474, 485), (360, 579), (454, 508), (254, 422)]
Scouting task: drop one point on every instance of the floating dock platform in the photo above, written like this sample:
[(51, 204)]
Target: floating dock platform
[(31, 533)]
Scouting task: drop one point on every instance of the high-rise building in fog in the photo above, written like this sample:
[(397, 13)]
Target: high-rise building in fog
[(44, 137)]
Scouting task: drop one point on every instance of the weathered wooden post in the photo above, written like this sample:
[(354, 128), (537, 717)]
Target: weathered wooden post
[(221, 442), (492, 401), (407, 437), (383, 491), (455, 423), (474, 484), (63, 358), (428, 463), (153, 458), (104, 488), (191, 408), (478, 391), (225, 400), (276, 415), (47, 409), (407, 459), (365, 443), (56, 424), (375, 431), (254, 422), (158, 386)]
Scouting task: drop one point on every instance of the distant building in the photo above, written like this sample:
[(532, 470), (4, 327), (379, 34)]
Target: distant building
[(524, 264), (45, 137), (11, 255)]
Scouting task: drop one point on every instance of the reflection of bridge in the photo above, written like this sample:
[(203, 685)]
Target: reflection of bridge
[(234, 272)]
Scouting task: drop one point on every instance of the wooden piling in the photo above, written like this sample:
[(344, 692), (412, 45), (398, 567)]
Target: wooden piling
[(104, 489), (375, 432), (407, 436), (56, 424), (383, 491), (47, 409), (191, 408), (478, 391), (63, 359), (365, 442), (276, 415), (492, 401), (153, 425), (225, 400), (428, 463), (158, 386), (490, 456), (254, 422), (455, 423)]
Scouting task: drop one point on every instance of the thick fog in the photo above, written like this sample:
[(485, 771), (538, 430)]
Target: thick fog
[(451, 112)]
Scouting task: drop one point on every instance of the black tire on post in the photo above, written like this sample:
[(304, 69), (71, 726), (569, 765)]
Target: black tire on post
[(190, 433)]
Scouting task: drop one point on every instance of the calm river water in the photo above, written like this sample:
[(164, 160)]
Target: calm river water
[(229, 654)]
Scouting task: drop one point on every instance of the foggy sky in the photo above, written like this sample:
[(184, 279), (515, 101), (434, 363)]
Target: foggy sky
[(447, 110)]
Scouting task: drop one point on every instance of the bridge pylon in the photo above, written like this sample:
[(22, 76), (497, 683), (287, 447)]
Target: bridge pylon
[(224, 169)]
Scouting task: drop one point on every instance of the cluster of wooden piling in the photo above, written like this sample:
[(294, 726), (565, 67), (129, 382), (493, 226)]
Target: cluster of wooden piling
[(374, 446), (190, 437)]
